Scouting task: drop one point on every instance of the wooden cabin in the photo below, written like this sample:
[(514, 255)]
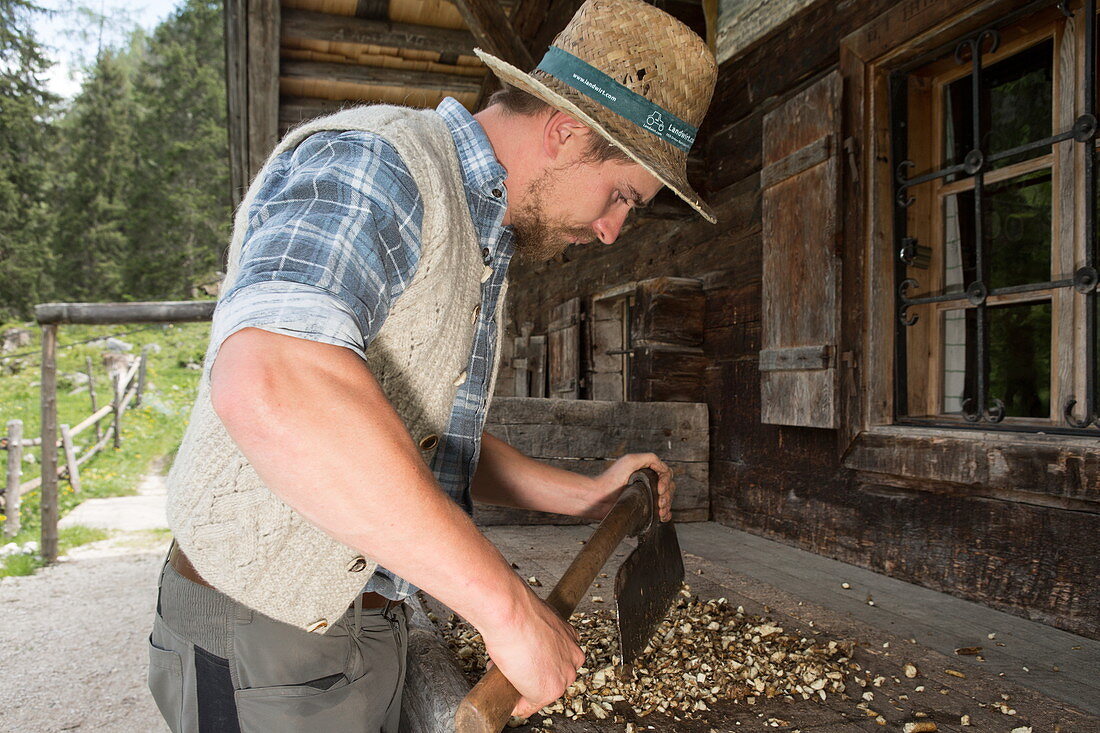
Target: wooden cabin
[(893, 324)]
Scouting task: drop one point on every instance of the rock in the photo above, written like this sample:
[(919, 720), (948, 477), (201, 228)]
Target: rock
[(13, 339), (118, 345)]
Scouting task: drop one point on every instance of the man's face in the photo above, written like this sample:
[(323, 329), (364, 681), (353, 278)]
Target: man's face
[(579, 202)]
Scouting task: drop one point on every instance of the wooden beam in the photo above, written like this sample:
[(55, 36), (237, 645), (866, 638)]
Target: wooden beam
[(48, 500), (263, 81), (377, 75), (494, 33), (342, 29), (151, 312), (236, 98)]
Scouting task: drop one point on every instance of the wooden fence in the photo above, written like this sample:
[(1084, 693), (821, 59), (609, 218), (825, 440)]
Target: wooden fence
[(127, 388)]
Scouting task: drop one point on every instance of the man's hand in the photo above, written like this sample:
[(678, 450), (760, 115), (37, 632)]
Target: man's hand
[(537, 652), (619, 472), (506, 477)]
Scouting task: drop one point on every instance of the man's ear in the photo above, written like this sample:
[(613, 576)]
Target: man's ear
[(562, 137)]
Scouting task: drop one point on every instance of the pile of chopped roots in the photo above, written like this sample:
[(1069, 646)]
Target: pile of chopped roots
[(703, 653)]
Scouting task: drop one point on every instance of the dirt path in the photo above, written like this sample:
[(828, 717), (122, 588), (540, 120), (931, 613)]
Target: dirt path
[(72, 637)]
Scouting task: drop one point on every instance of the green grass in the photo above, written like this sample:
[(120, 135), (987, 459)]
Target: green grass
[(67, 539), (150, 433)]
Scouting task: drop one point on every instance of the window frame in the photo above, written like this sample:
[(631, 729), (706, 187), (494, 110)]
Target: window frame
[(909, 35)]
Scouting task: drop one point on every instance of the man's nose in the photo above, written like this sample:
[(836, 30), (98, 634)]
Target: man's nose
[(607, 228)]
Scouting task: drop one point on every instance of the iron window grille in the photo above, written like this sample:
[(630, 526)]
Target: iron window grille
[(980, 410)]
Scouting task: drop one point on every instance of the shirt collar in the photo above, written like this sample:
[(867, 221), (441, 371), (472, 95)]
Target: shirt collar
[(481, 170)]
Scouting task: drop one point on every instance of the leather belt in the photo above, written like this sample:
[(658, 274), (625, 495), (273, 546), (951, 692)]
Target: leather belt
[(183, 566)]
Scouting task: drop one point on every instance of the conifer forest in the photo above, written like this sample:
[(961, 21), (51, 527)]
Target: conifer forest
[(121, 192)]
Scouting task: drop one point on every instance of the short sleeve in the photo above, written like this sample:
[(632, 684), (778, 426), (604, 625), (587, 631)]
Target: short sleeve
[(333, 239)]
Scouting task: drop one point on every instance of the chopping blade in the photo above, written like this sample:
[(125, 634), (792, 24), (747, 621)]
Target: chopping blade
[(646, 585)]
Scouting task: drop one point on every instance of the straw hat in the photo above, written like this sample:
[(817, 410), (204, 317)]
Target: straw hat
[(633, 73)]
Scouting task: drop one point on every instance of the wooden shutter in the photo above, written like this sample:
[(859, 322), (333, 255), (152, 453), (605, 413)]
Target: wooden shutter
[(801, 274), (564, 341)]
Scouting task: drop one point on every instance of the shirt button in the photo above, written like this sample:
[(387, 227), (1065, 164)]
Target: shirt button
[(497, 192), (428, 442), (476, 313), (318, 626), (460, 380), (486, 273), (485, 255), (357, 565)]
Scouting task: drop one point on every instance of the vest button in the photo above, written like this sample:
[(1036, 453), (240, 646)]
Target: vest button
[(429, 441), (460, 380), (318, 626), (357, 565), (486, 273), (476, 313)]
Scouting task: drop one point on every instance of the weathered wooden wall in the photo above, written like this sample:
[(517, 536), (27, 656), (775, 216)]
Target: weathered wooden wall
[(1012, 546)]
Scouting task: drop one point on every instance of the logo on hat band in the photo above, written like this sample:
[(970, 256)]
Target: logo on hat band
[(595, 84)]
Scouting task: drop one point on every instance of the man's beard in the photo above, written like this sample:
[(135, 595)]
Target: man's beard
[(536, 239)]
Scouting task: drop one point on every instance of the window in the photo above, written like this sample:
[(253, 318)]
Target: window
[(993, 148)]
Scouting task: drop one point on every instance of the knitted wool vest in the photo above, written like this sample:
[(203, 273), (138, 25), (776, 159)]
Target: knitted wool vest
[(242, 538)]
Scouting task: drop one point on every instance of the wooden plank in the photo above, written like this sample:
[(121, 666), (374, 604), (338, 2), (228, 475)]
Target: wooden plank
[(664, 373), (48, 506), (796, 358), (148, 312), (678, 416), (375, 75), (309, 25), (236, 97), (668, 310), (494, 33), (744, 22), (791, 165), (1052, 465), (12, 494), (262, 81), (70, 458), (573, 441), (536, 365), (92, 396), (801, 270), (564, 350)]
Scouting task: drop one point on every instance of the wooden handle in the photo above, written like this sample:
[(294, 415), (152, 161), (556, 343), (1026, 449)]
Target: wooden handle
[(489, 704)]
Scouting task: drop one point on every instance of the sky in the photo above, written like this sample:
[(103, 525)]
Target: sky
[(70, 38)]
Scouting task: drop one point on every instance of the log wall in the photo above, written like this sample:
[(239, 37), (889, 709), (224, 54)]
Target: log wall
[(1007, 539)]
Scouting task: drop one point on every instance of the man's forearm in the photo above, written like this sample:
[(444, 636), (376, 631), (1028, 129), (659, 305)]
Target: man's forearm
[(506, 477), (316, 426)]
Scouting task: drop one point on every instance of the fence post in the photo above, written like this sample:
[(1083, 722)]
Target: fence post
[(15, 471), (70, 458), (116, 385), (49, 442), (91, 391), (141, 374)]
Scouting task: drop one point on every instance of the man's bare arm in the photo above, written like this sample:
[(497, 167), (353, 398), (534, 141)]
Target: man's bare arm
[(314, 423), (506, 477)]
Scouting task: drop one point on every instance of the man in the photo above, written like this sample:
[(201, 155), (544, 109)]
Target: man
[(337, 437)]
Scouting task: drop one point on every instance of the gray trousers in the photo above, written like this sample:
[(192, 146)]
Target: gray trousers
[(216, 666)]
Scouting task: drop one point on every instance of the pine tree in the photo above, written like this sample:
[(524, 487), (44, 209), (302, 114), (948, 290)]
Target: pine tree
[(25, 109), (98, 159), (180, 210)]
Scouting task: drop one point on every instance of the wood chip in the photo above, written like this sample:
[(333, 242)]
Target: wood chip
[(955, 673), (968, 651), (920, 726)]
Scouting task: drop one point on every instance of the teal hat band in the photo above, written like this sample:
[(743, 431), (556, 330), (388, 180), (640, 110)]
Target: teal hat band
[(595, 84)]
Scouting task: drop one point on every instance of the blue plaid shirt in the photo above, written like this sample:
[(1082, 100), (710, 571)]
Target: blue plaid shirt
[(333, 240)]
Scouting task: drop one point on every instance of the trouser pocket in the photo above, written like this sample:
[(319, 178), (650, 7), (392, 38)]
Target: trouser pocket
[(345, 706), (166, 684)]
